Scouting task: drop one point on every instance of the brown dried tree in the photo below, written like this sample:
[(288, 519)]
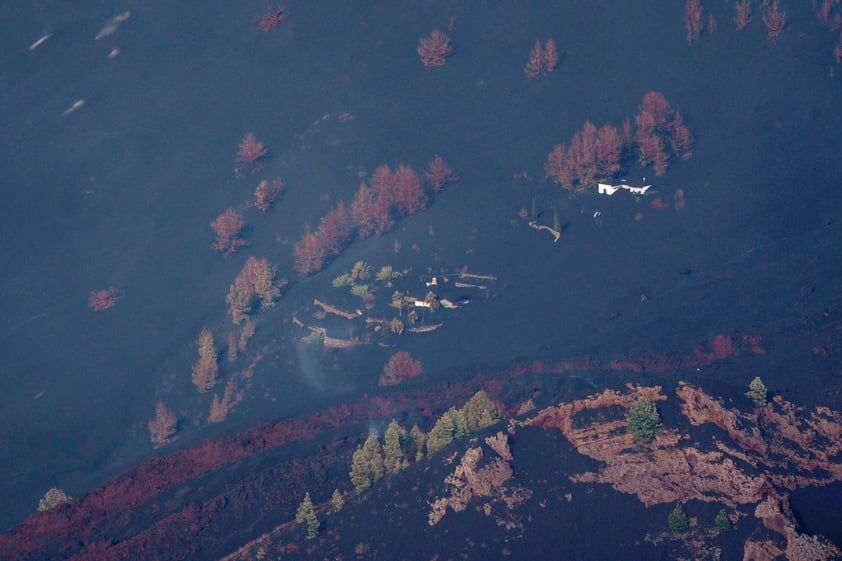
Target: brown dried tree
[(609, 148), (383, 184), (550, 56), (409, 197), (249, 152), (556, 167), (660, 159), (309, 253), (434, 49), (246, 333), (335, 229), (163, 426), (401, 366), (256, 282), (743, 17), (231, 347), (775, 20), (693, 19), (206, 368), (363, 210), (228, 226), (439, 174), (680, 140), (267, 193), (535, 67)]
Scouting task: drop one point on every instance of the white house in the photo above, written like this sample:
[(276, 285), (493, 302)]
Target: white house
[(606, 189)]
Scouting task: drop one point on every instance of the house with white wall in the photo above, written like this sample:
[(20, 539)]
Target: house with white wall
[(606, 189)]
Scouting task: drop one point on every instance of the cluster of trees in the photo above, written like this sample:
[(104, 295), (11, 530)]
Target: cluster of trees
[(679, 522), (255, 283), (478, 413), (594, 154), (434, 49), (774, 18), (541, 61), (373, 460), (387, 196), (329, 240)]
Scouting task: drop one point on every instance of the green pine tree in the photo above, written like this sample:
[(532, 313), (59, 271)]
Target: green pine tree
[(643, 421), (337, 501), (360, 478), (480, 412), (678, 520), (374, 456), (460, 426), (419, 439), (393, 444), (722, 523), (441, 434), (306, 513), (367, 464), (757, 392)]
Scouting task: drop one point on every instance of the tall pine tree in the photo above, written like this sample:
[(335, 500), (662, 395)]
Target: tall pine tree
[(393, 444), (419, 439), (367, 464), (306, 513)]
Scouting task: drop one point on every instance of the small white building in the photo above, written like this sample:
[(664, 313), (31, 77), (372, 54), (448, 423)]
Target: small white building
[(606, 189)]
